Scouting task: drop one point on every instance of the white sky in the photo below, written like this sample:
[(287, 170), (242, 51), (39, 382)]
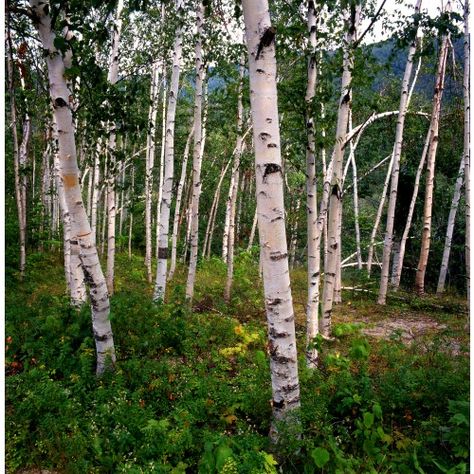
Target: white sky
[(407, 8)]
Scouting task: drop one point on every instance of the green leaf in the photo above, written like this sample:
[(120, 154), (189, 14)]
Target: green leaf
[(368, 419), (222, 453), (320, 456)]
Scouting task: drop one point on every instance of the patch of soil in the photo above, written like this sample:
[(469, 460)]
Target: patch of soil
[(409, 328)]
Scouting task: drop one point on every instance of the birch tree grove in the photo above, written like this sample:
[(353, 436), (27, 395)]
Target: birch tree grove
[(287, 141), (80, 228), (397, 151), (165, 208), (260, 36)]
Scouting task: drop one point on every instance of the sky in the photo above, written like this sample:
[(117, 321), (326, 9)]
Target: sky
[(392, 7)]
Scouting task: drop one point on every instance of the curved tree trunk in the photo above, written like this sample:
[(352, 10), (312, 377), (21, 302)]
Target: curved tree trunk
[(80, 229), (271, 214)]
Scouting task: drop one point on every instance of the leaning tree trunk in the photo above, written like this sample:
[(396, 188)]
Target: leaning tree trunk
[(232, 198), (331, 263), (197, 161), (467, 142), (149, 164), (271, 212), (111, 208), (179, 195), (430, 167), (80, 228), (397, 152), (160, 285), (450, 228)]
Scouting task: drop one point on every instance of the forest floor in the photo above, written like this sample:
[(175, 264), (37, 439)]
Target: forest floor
[(191, 391)]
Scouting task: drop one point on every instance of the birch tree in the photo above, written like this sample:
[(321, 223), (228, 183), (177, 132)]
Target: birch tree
[(351, 22), (160, 285), (111, 207), (80, 228), (430, 165), (260, 35), (397, 151), (197, 155), (450, 228)]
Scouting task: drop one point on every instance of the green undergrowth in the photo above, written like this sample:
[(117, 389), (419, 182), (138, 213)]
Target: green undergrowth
[(191, 390)]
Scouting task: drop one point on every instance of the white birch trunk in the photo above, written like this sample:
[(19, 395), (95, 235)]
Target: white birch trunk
[(197, 154), (16, 158), (314, 251), (179, 195), (111, 207), (397, 152), (430, 166), (232, 198), (450, 229), (270, 205), (467, 142), (160, 285), (80, 229), (331, 263)]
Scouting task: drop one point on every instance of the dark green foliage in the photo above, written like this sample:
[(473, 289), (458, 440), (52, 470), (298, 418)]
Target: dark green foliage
[(191, 391)]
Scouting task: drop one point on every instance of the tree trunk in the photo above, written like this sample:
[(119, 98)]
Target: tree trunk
[(467, 142), (160, 285), (80, 229), (271, 214), (430, 167), (149, 164), (397, 152), (16, 157), (232, 198), (111, 208), (197, 154), (314, 252), (450, 229), (252, 232), (179, 195), (351, 22)]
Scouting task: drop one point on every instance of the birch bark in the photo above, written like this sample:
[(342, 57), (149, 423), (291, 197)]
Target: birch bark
[(179, 195), (397, 152), (232, 198), (111, 208), (330, 268), (149, 164), (467, 143), (270, 204), (314, 251), (450, 228), (80, 228), (197, 154), (160, 285), (430, 166)]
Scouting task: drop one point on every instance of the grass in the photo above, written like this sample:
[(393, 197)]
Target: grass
[(191, 390)]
